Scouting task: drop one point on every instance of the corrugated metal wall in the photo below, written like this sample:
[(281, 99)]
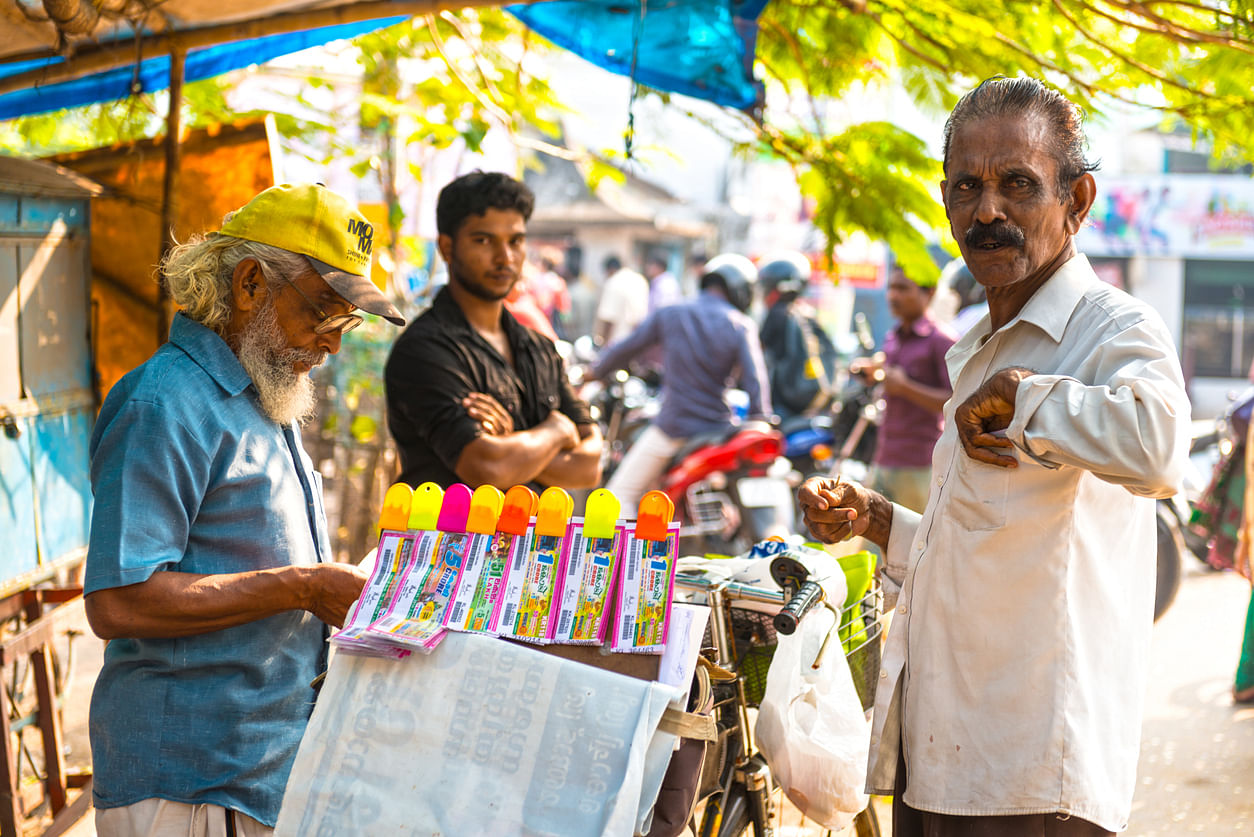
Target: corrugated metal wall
[(47, 402)]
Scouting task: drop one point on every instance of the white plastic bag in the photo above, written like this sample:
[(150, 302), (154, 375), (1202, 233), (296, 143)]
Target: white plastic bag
[(811, 726)]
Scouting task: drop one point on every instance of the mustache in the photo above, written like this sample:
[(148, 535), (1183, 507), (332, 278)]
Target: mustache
[(313, 357), (1001, 233)]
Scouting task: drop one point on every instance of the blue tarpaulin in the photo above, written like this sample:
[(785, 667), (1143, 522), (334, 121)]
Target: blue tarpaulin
[(154, 73), (701, 48)]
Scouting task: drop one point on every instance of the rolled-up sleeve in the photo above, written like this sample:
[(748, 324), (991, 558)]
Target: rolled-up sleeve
[(1128, 423), (143, 507)]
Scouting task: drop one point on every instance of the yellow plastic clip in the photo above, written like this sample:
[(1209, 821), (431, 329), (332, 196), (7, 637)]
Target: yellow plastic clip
[(600, 514), (485, 508), (556, 507), (654, 516), (425, 509), (520, 506), (395, 514)]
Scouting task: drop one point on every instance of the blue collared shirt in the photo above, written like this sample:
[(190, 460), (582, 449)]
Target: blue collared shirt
[(706, 346), (190, 476)]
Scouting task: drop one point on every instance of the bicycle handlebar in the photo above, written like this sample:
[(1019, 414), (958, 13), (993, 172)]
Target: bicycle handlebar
[(802, 602)]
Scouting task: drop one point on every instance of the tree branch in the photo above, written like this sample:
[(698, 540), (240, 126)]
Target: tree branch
[(1127, 59)]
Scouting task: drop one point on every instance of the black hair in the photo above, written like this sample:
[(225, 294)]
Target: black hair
[(1001, 96), (656, 258), (713, 280), (612, 264), (475, 194)]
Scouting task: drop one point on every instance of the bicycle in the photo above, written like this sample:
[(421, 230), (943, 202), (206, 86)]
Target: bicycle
[(736, 787)]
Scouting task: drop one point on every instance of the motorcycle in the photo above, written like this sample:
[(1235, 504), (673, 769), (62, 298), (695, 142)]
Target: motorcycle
[(731, 489)]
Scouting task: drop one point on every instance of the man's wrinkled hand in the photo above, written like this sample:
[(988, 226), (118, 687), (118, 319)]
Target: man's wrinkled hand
[(834, 510), (333, 589), (989, 410), (486, 410)]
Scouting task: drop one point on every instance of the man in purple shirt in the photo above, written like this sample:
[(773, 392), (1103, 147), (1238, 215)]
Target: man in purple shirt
[(916, 387)]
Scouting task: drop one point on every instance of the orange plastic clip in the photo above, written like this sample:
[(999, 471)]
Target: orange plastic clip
[(556, 507), (654, 516), (485, 508), (520, 506), (395, 514)]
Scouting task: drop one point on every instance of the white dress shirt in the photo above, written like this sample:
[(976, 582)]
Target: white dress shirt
[(1017, 659), (624, 303)]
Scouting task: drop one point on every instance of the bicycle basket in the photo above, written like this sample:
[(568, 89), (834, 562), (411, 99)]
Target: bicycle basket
[(753, 645)]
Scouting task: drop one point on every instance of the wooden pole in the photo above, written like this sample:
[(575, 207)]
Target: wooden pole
[(169, 188), (121, 53)]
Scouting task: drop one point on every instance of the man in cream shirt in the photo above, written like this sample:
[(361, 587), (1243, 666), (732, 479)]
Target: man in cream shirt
[(1014, 672)]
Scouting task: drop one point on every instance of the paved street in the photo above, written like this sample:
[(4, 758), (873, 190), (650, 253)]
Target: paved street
[(1196, 772)]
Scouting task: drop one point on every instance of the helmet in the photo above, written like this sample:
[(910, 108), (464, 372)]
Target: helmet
[(786, 272), (956, 276), (735, 274)]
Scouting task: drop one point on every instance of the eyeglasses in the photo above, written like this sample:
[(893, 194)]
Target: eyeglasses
[(339, 322)]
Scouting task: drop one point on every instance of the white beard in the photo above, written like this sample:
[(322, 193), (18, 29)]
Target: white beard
[(285, 395)]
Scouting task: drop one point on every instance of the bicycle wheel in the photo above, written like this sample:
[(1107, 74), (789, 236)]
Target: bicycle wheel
[(735, 820), (867, 824)]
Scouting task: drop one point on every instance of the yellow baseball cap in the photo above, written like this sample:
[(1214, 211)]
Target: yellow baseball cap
[(326, 229)]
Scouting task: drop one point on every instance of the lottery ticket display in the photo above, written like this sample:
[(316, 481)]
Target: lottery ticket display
[(516, 566)]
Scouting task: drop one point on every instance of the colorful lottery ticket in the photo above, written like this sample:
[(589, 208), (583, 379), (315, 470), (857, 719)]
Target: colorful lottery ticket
[(586, 587), (645, 591), (532, 589), (393, 560), (416, 619), (482, 583)]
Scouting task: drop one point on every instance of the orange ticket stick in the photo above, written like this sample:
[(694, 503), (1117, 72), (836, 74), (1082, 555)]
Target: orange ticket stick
[(485, 509), (654, 516), (424, 511), (396, 503), (455, 509), (520, 506), (556, 507)]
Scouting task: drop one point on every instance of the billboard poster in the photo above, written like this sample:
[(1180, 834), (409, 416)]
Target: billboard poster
[(1186, 216)]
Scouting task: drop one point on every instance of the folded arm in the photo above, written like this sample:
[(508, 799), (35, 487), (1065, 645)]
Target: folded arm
[(579, 467)]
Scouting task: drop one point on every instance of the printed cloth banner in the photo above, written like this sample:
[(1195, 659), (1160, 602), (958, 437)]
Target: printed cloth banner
[(479, 737)]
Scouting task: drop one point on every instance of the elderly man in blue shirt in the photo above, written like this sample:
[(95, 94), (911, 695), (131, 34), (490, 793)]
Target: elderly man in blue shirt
[(209, 568)]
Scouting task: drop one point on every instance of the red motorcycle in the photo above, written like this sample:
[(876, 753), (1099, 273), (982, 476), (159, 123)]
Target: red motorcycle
[(731, 489)]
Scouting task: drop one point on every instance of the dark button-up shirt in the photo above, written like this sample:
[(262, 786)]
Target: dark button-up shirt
[(439, 360), (909, 432), (707, 345)]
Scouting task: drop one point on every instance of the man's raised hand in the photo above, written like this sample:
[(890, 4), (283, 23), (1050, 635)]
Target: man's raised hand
[(990, 409)]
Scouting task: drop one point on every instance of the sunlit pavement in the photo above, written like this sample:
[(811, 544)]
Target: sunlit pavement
[(1196, 772)]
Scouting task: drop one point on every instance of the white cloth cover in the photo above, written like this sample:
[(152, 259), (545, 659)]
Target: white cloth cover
[(481, 737)]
